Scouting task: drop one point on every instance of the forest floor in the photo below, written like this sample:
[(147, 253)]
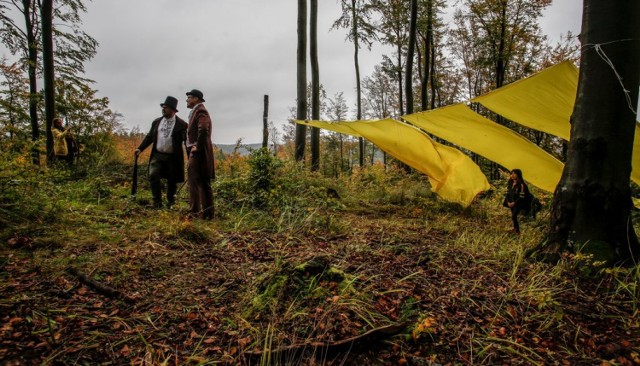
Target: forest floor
[(117, 283)]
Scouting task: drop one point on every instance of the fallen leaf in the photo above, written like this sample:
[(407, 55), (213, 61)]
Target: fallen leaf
[(125, 351)]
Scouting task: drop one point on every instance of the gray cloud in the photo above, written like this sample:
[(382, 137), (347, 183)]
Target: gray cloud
[(234, 51)]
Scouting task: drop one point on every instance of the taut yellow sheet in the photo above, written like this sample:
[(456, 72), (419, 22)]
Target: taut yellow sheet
[(453, 175), (543, 101), (461, 126)]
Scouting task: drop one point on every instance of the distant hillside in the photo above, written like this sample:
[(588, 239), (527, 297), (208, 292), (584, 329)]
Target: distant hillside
[(244, 149)]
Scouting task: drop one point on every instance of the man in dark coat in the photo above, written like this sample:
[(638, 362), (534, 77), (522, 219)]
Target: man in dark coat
[(168, 135), (201, 165)]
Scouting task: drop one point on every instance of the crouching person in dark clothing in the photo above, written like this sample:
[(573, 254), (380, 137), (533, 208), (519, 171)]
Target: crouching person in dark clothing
[(168, 135)]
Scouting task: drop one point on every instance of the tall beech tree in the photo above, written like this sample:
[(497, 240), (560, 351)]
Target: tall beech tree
[(394, 29), (507, 42), (301, 85), (315, 85), (430, 32), (356, 16), (592, 205), (508, 30), (48, 72), (425, 28), (23, 39), (73, 47), (410, 55)]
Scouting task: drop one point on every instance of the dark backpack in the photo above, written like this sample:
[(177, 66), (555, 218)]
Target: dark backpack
[(535, 206)]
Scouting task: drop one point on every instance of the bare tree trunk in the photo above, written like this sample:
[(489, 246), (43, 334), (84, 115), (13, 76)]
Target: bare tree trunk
[(356, 61), (427, 56), (400, 100), (591, 209), (49, 76), (301, 113), (32, 55), (433, 76), (500, 69), (342, 153), (315, 87), (410, 56), (265, 123), (409, 66)]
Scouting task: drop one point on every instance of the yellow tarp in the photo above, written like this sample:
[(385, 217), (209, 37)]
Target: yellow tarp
[(453, 175), (543, 101), (635, 158), (461, 126)]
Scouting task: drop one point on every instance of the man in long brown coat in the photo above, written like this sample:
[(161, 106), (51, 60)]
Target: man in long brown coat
[(201, 165)]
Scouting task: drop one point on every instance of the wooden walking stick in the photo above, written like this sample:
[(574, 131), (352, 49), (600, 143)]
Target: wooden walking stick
[(134, 184)]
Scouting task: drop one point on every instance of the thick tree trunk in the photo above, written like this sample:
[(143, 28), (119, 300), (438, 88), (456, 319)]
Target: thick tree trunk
[(315, 87), (48, 69), (591, 209), (301, 113)]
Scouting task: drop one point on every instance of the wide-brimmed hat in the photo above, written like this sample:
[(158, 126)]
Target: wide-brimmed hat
[(170, 102), (196, 93)]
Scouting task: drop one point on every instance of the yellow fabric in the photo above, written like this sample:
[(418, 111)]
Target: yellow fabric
[(453, 175), (635, 158), (461, 126), (543, 101)]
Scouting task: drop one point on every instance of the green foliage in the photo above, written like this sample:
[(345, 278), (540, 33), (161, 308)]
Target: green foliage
[(263, 168), (25, 196), (40, 194)]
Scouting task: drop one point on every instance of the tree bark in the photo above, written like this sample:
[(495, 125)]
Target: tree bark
[(410, 56), (356, 61), (591, 209), (265, 123), (32, 56), (315, 86), (399, 69), (48, 72), (301, 113), (427, 56)]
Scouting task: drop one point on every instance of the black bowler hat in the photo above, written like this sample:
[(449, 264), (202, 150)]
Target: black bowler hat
[(196, 93), (170, 102)]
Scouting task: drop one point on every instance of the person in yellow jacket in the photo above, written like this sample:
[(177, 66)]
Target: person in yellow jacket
[(62, 138)]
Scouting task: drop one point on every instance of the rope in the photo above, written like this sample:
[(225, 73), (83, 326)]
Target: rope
[(607, 60)]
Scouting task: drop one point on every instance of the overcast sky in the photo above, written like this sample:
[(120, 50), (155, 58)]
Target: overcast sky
[(234, 51)]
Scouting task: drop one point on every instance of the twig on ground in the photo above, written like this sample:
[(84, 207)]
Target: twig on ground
[(97, 286)]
